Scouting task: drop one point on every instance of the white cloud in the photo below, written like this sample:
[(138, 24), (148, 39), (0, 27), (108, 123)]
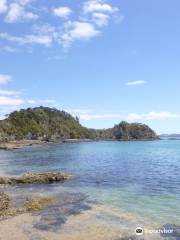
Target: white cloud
[(9, 92), (79, 110), (49, 101), (131, 117), (4, 78), (160, 115), (5, 110), (17, 12), (24, 2), (44, 29), (45, 101), (31, 101), (8, 101), (100, 19), (63, 12), (138, 82), (100, 116), (45, 40), (98, 6), (3, 6), (9, 97), (78, 31), (7, 49), (88, 23)]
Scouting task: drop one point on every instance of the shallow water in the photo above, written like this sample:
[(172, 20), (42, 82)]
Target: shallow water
[(119, 184)]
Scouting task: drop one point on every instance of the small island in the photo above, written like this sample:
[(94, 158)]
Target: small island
[(43, 124)]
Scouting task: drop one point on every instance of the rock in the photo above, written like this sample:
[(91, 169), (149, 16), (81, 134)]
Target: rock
[(4, 202), (29, 206), (38, 204), (11, 145), (133, 131), (38, 178)]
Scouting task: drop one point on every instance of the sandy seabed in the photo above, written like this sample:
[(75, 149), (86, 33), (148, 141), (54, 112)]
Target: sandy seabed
[(97, 223)]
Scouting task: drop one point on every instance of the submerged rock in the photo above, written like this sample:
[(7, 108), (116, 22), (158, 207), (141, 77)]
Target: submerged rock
[(29, 206), (38, 204), (38, 178)]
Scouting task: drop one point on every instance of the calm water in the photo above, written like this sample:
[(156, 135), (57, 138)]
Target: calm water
[(138, 180)]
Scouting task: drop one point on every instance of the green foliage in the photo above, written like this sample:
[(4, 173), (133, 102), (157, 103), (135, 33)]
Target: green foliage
[(42, 123), (50, 124), (133, 131)]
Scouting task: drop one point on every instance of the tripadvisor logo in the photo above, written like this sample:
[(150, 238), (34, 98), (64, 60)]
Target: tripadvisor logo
[(139, 231)]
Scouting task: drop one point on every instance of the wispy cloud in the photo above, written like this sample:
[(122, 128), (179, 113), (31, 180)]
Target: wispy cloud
[(9, 101), (137, 82), (131, 117), (8, 49), (3, 6), (31, 101), (39, 102), (50, 101), (45, 40), (100, 19), (63, 12), (100, 116), (4, 78), (9, 92), (17, 12), (152, 116)]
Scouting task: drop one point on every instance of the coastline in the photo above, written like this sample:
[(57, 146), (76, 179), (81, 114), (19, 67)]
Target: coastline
[(11, 145), (18, 144)]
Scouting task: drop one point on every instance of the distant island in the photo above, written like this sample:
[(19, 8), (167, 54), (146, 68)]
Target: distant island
[(173, 136), (50, 125)]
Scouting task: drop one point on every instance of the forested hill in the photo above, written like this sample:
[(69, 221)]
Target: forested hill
[(50, 124), (41, 123)]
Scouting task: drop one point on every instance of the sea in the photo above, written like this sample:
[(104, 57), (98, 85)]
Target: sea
[(117, 191)]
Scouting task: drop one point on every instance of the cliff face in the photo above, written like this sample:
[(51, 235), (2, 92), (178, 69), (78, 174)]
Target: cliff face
[(133, 131), (50, 124)]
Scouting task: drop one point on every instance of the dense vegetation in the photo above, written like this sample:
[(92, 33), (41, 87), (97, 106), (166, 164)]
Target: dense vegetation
[(41, 123), (51, 124), (133, 131)]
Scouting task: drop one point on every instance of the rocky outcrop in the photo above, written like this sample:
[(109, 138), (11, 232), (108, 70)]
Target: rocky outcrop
[(133, 131), (35, 178), (4, 202), (19, 144), (30, 205), (38, 204)]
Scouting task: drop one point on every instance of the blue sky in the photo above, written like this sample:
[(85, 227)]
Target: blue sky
[(105, 61)]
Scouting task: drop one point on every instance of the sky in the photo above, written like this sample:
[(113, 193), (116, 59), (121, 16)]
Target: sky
[(104, 61)]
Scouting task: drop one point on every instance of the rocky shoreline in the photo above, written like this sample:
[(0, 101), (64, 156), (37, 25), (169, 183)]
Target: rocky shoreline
[(29, 205), (35, 178), (19, 144), (12, 145)]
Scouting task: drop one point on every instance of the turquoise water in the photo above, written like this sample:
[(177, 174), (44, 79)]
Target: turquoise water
[(137, 178)]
